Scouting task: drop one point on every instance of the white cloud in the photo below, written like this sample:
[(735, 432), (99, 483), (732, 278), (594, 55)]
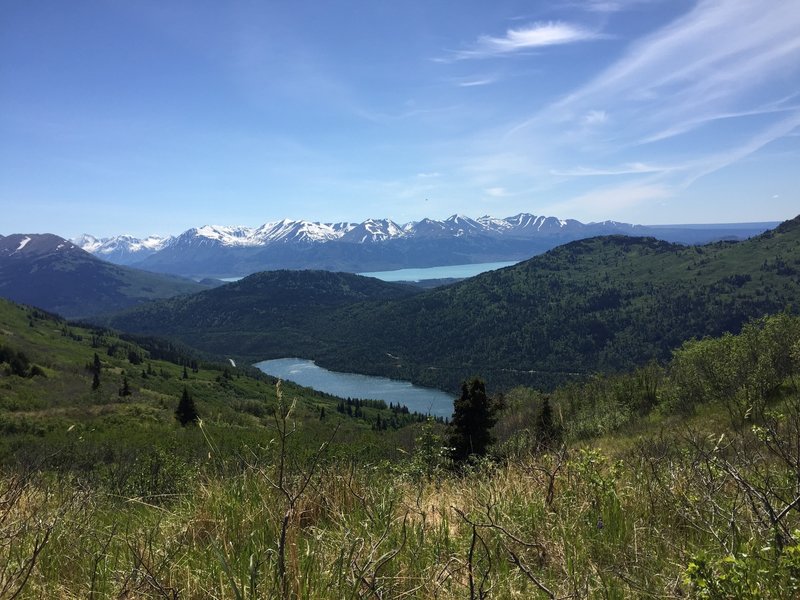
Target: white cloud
[(595, 117), (536, 35), (476, 82), (626, 169), (496, 192)]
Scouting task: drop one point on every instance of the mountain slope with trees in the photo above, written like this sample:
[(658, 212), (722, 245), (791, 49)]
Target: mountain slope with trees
[(80, 398), (603, 304), (273, 310), (52, 273)]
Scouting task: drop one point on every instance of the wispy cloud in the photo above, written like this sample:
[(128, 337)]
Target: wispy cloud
[(602, 202), (612, 6), (702, 93), (706, 63), (496, 192), (595, 117), (536, 35), (476, 82), (627, 169)]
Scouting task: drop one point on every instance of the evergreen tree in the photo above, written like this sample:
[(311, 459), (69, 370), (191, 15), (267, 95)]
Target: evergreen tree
[(96, 364), (545, 430), (186, 412), (95, 380), (473, 419), (185, 373), (125, 390)]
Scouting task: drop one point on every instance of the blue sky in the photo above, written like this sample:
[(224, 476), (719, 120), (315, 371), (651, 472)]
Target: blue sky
[(151, 117)]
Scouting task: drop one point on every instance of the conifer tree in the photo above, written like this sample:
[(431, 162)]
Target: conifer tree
[(186, 412), (546, 432), (473, 419)]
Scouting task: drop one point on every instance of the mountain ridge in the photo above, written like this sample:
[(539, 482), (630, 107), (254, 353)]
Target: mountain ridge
[(373, 245), (52, 273)]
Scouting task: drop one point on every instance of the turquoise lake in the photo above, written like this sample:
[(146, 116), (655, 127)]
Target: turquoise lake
[(447, 272), (352, 385)]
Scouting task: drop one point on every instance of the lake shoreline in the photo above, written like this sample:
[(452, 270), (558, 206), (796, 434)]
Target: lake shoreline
[(363, 387)]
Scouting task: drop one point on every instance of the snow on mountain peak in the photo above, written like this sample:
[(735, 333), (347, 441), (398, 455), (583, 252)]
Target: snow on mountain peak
[(127, 249), (288, 230), (23, 243)]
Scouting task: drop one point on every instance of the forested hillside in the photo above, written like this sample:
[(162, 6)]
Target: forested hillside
[(82, 399), (266, 315), (603, 304)]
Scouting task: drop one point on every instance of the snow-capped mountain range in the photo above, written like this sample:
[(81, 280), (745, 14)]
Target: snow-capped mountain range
[(375, 244), (126, 249)]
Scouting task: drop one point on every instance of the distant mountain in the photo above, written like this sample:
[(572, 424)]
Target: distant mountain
[(121, 249), (52, 273), (600, 304), (375, 244)]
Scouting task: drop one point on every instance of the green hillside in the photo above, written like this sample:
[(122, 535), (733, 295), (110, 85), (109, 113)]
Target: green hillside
[(265, 315), (602, 304), (53, 414)]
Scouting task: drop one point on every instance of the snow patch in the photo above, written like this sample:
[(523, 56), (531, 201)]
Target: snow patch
[(22, 244)]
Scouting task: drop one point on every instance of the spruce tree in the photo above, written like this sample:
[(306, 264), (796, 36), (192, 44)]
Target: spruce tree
[(186, 412), (473, 419), (545, 430), (125, 390), (95, 380)]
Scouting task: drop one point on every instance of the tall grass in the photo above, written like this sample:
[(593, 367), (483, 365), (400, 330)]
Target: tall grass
[(669, 517)]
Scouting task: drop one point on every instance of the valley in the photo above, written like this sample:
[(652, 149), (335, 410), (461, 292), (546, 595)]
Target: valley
[(400, 300)]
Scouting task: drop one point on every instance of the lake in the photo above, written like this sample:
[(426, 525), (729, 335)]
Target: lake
[(423, 273), (446, 272), (365, 387)]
